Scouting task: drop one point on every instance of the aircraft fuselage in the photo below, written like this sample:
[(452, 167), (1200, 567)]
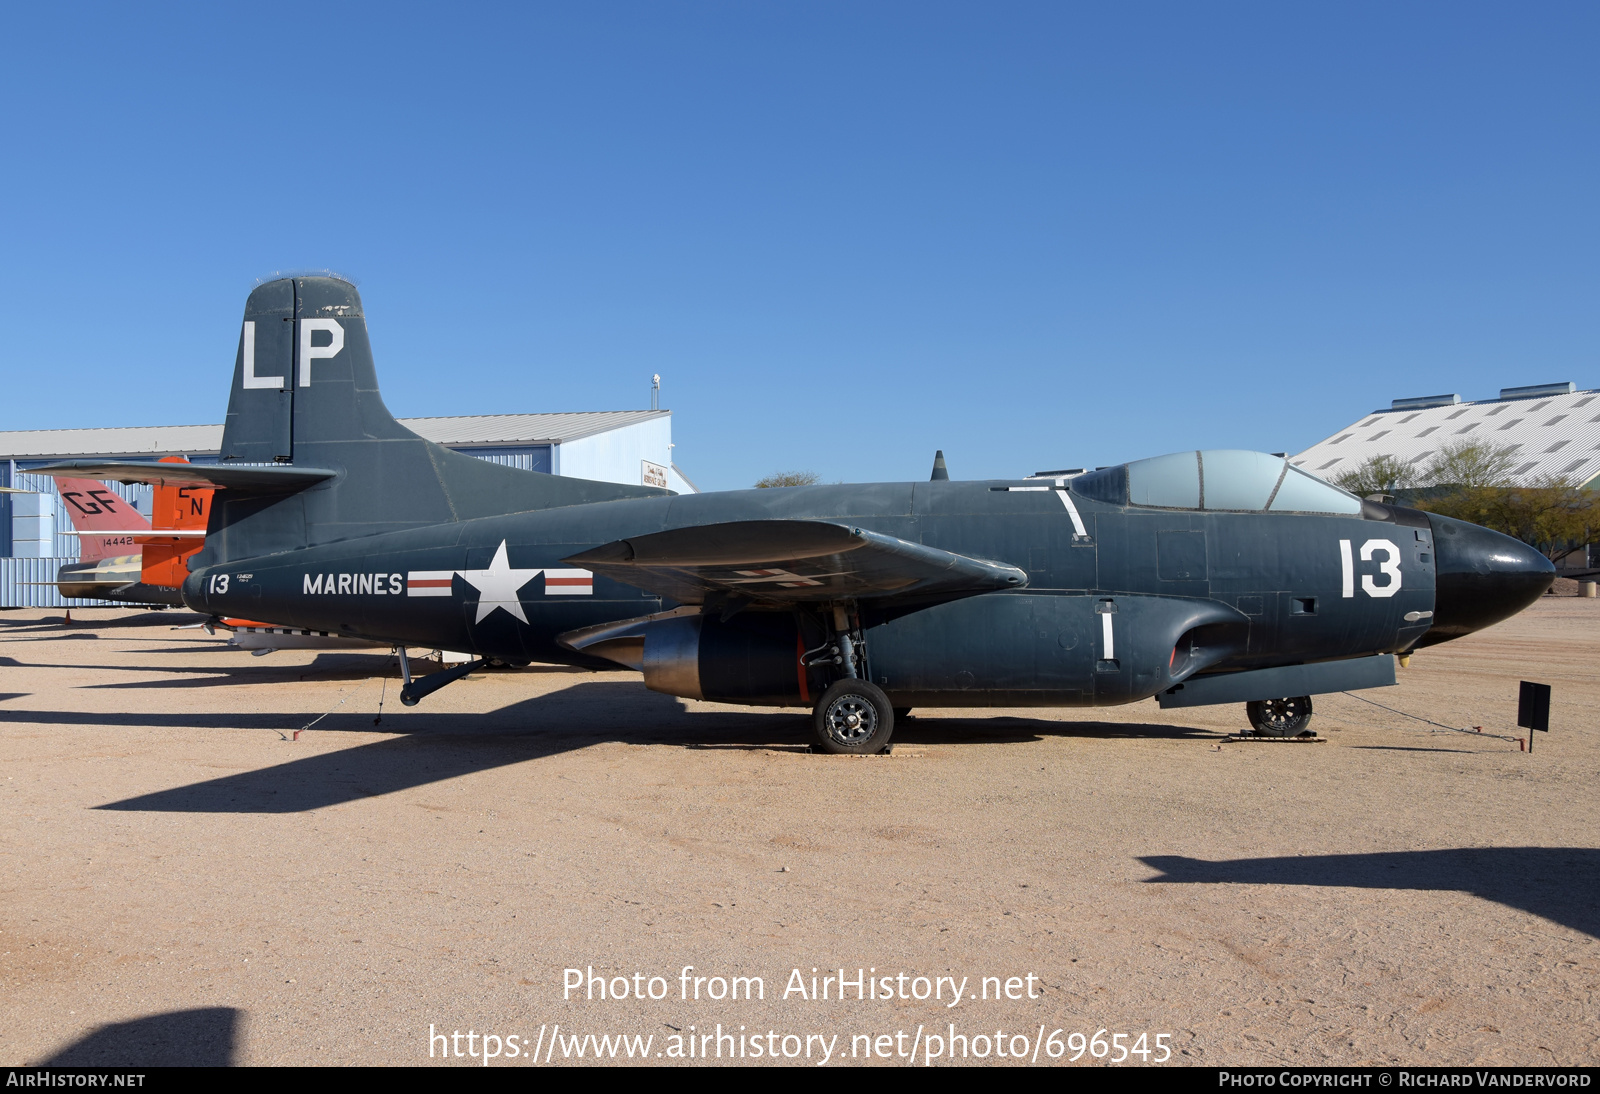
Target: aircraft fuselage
[(1139, 600)]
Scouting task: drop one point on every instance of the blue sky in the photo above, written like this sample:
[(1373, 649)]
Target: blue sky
[(1033, 235)]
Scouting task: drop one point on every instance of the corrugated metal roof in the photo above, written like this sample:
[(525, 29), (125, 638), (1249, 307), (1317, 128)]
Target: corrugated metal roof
[(1553, 435), (156, 440), (488, 429), (202, 440)]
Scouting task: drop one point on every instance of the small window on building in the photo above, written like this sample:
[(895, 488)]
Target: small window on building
[(1407, 418), (1512, 448), (1538, 406), (1512, 422), (1585, 401), (1379, 433), (1525, 468), (1330, 463), (1341, 438), (1419, 459), (1556, 419), (1558, 446), (1457, 414), (1496, 410), (1425, 432), (1573, 466), (1368, 422), (1468, 428)]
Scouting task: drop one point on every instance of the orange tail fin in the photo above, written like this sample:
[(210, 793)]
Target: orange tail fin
[(176, 507)]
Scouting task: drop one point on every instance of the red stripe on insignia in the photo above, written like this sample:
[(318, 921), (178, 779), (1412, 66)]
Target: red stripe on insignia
[(429, 583), (569, 581)]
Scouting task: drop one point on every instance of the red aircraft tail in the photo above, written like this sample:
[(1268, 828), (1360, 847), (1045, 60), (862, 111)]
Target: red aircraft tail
[(92, 508)]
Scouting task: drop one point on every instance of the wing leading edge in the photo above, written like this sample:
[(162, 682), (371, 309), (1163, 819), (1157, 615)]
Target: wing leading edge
[(784, 562)]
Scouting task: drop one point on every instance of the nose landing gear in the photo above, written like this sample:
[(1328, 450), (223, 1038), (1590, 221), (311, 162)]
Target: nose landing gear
[(1280, 717)]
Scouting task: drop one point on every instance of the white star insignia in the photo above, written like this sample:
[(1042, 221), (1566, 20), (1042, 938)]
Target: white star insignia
[(498, 585)]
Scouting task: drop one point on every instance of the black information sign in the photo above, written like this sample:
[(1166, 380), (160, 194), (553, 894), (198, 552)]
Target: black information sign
[(1533, 708)]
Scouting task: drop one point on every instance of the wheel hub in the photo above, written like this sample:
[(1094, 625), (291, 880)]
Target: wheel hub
[(851, 719)]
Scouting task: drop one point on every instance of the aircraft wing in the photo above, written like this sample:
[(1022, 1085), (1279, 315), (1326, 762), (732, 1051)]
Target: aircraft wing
[(779, 562), (257, 478)]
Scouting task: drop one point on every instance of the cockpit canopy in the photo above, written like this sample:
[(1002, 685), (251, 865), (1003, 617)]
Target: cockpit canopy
[(1229, 480)]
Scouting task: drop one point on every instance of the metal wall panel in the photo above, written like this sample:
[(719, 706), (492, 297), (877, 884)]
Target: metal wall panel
[(66, 547), (19, 588)]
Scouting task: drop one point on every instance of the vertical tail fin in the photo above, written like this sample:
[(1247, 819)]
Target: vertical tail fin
[(93, 508), (305, 392), (177, 508)]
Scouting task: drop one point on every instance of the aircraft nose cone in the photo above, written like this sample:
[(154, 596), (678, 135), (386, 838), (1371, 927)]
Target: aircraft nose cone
[(1482, 578)]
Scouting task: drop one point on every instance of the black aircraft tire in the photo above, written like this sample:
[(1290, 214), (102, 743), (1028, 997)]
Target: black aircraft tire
[(1280, 717), (853, 717)]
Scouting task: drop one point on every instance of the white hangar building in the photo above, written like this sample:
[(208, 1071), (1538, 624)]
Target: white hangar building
[(1553, 429), (627, 446)]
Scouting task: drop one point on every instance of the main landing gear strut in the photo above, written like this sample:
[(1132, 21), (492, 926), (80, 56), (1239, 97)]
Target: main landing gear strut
[(854, 716)]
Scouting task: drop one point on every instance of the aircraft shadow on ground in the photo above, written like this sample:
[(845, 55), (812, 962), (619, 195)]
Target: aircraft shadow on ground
[(205, 1037), (144, 619), (1561, 884), (341, 666), (431, 747)]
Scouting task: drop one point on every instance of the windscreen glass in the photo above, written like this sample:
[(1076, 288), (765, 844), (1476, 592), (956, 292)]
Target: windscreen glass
[(1239, 480), (1303, 493), (1219, 479), (1166, 482)]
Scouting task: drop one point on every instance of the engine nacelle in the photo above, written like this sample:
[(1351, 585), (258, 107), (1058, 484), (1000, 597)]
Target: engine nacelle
[(752, 658)]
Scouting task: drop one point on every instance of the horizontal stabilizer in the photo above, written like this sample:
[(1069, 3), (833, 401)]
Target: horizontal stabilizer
[(781, 562), (144, 533), (263, 479)]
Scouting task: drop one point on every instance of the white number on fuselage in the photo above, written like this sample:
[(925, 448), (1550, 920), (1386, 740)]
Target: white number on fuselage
[(1388, 567)]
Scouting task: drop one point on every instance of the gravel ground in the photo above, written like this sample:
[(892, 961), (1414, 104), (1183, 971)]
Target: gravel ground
[(184, 881)]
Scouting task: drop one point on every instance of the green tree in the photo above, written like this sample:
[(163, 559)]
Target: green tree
[(789, 478), (1377, 475), (1471, 465), (1551, 514)]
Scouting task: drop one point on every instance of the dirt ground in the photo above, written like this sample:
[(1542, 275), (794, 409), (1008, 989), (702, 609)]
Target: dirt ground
[(184, 881)]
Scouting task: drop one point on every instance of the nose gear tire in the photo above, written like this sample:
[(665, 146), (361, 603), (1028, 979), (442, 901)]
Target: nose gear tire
[(1280, 717), (853, 717)]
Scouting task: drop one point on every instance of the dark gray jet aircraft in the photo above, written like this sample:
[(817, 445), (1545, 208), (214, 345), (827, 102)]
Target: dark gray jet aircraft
[(1196, 578)]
